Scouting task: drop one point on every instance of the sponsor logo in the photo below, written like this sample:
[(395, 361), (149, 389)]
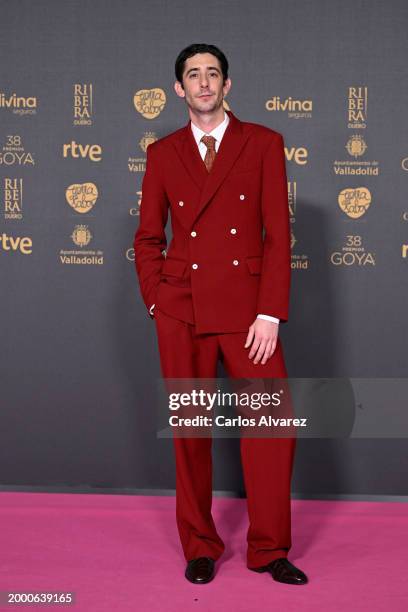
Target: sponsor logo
[(357, 107), (13, 198), (82, 196), (150, 102), (13, 153), (353, 253), (299, 261), (74, 149), (18, 105), (299, 155), (81, 236), (83, 104), (16, 244), (354, 202), (295, 109), (356, 148)]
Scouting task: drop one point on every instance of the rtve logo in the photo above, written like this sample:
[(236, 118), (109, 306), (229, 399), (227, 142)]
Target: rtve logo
[(10, 243), (298, 155), (73, 149)]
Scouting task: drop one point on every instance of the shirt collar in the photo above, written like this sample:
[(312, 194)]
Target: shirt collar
[(217, 132)]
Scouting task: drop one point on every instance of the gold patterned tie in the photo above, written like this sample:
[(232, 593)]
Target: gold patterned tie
[(209, 158)]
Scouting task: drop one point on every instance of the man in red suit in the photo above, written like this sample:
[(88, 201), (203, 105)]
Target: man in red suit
[(219, 292)]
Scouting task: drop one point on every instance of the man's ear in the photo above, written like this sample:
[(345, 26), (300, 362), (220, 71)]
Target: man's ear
[(178, 87), (227, 86)]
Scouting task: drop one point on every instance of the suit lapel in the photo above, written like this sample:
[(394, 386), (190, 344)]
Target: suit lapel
[(229, 150), (189, 154)]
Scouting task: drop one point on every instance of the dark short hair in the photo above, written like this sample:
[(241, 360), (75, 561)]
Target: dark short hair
[(200, 48)]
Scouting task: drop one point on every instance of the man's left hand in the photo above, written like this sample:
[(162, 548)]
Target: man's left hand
[(263, 335)]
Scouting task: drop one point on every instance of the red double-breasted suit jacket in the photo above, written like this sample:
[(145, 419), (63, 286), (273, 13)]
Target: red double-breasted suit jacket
[(229, 256)]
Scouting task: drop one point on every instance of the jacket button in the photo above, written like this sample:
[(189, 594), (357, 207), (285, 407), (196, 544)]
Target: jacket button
[(181, 203), (242, 197), (233, 230), (235, 262), (193, 234), (194, 266)]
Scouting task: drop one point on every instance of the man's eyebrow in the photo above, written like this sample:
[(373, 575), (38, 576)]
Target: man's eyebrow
[(197, 68)]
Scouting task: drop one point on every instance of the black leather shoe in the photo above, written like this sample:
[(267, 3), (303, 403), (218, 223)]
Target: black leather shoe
[(283, 570), (200, 570)]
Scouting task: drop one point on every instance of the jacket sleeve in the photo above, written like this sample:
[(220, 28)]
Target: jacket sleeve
[(274, 288), (150, 237)]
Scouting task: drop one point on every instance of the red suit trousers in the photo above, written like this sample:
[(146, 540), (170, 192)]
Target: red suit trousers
[(266, 462)]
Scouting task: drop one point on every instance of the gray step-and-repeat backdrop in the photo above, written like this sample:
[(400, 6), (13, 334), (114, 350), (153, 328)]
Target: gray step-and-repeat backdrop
[(85, 86)]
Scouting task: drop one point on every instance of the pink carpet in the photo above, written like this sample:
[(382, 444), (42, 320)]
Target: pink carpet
[(120, 552)]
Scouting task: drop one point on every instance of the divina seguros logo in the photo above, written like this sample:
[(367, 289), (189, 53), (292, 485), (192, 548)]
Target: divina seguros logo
[(296, 109), (19, 105)]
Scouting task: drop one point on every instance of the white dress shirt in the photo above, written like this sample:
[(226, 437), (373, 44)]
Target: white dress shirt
[(217, 133)]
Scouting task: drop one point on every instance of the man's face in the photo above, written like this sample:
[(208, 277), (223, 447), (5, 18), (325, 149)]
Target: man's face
[(203, 86)]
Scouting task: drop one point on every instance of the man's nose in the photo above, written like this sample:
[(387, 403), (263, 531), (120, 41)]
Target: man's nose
[(203, 81)]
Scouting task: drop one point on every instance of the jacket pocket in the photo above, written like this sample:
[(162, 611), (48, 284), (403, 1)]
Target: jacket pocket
[(174, 267), (254, 264)]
